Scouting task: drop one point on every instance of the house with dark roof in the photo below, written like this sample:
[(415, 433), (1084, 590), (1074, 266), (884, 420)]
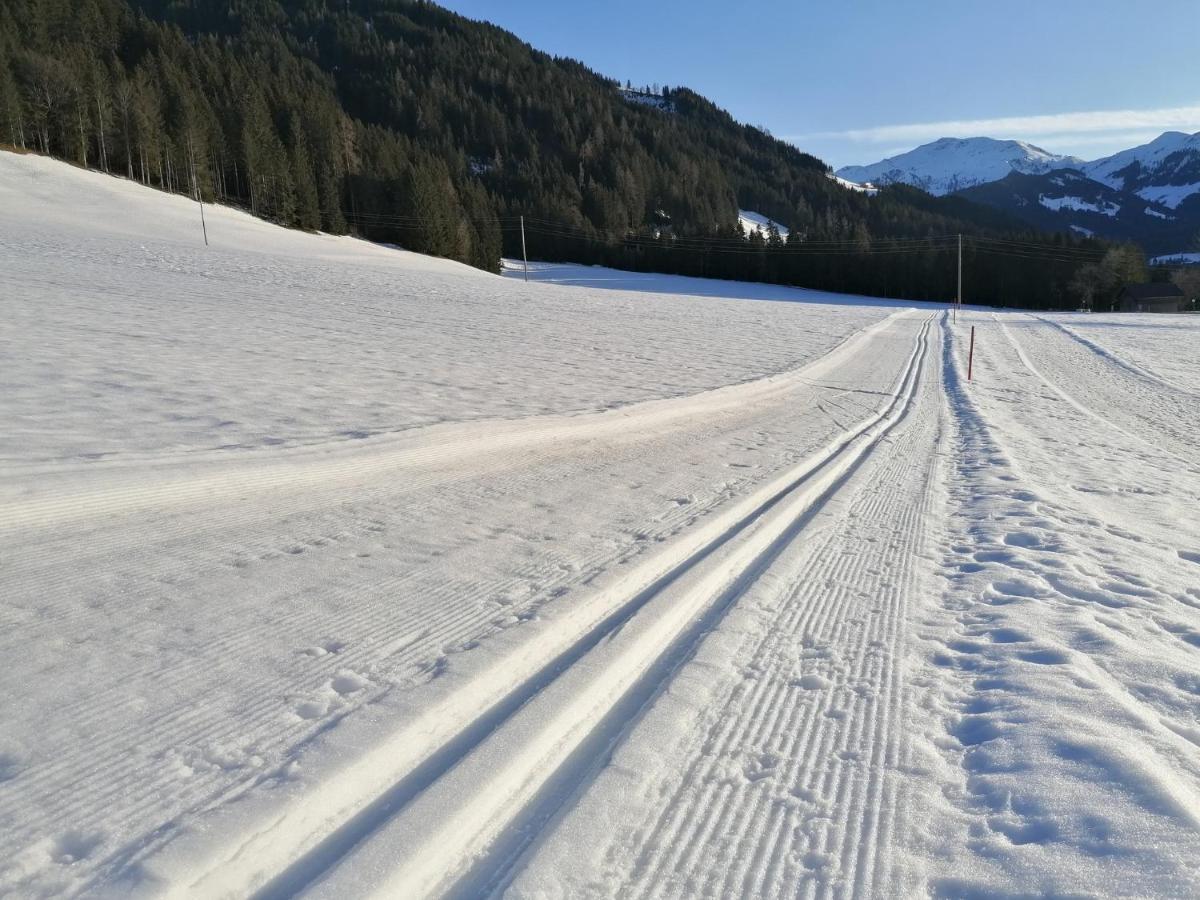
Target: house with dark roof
[(1152, 298)]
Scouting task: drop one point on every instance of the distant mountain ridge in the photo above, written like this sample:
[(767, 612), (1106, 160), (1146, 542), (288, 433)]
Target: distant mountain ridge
[(948, 165), (1149, 194), (1166, 170)]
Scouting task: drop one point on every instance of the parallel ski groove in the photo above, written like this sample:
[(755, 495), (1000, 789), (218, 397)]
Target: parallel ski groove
[(743, 838), (443, 626), (842, 458), (263, 723), (1159, 413)]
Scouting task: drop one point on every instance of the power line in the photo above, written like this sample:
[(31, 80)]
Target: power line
[(536, 225), (1048, 257), (980, 242)]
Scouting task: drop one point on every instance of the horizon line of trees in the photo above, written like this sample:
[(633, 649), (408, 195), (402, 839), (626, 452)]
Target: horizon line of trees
[(405, 123)]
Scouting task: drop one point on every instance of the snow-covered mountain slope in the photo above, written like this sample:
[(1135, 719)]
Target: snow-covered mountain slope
[(865, 187), (951, 164), (1149, 194), (1067, 200), (1166, 170), (752, 221), (1176, 259), (334, 571)]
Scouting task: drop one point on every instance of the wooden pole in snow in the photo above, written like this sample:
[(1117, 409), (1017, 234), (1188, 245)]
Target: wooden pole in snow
[(958, 296), (971, 354), (196, 189), (524, 256)]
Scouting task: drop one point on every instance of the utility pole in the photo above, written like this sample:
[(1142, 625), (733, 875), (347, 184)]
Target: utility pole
[(196, 188), (524, 256), (958, 297)]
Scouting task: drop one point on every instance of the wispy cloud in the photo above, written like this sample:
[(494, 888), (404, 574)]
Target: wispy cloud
[(1034, 128)]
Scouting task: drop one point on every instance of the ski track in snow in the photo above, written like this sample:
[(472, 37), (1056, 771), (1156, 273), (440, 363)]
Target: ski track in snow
[(330, 570), (507, 790), (1168, 346), (786, 784), (1157, 415)]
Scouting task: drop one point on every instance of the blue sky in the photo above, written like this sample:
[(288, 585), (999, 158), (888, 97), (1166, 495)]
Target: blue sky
[(858, 80)]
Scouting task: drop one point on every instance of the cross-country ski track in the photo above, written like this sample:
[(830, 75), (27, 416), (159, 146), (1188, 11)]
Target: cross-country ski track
[(328, 570)]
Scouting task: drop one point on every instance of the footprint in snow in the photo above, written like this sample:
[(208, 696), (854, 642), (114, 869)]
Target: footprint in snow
[(324, 648), (1047, 657), (311, 709), (760, 766), (1009, 636), (1022, 539), (812, 682), (347, 682), (10, 766), (75, 845), (814, 860)]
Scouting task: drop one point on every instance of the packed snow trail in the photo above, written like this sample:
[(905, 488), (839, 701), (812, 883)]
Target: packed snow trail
[(330, 569), (771, 766), (509, 784), (1139, 404), (845, 736), (1058, 689)]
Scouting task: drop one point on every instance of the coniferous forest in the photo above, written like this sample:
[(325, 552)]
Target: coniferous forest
[(406, 123)]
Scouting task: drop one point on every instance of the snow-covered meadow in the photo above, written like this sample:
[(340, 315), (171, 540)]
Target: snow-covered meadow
[(327, 569)]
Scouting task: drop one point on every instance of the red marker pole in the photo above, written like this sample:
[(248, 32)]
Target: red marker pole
[(971, 355)]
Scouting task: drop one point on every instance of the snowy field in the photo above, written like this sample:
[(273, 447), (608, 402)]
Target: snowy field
[(330, 570)]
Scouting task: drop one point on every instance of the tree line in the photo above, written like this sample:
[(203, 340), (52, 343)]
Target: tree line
[(403, 122)]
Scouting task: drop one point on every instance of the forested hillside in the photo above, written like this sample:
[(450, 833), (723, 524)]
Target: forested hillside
[(404, 122)]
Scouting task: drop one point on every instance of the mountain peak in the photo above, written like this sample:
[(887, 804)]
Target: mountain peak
[(1166, 170), (951, 164)]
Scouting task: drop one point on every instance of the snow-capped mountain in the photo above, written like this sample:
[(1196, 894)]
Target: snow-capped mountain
[(1067, 200), (1149, 194), (1166, 170), (952, 164)]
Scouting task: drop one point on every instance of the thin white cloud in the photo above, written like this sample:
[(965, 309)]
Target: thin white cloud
[(1083, 141), (1034, 128)]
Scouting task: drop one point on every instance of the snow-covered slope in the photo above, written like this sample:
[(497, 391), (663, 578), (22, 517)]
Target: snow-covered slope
[(752, 221), (951, 164), (642, 98), (1166, 170), (1149, 194), (333, 571), (865, 188), (1180, 259)]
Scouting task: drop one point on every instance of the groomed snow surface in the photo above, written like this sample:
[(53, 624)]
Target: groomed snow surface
[(329, 570)]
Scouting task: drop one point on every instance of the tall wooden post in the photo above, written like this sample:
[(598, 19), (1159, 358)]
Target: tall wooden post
[(958, 295), (524, 256)]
